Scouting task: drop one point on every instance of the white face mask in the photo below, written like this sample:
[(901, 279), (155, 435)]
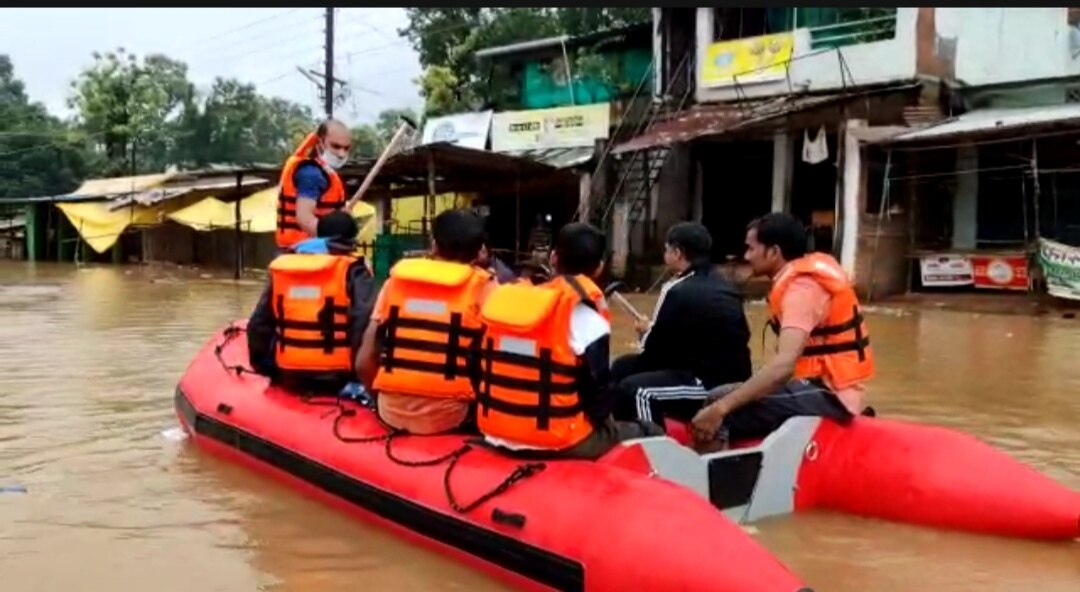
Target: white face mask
[(333, 160)]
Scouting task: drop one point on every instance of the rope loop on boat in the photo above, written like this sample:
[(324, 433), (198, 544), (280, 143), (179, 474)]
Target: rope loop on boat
[(344, 412), (523, 471), (229, 333), (453, 455)]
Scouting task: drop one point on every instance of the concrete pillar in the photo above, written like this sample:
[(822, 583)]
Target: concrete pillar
[(781, 174), (966, 199), (620, 238), (584, 195), (853, 181), (32, 232), (703, 29)]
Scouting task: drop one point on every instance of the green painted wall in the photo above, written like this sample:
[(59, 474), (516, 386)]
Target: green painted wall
[(542, 89)]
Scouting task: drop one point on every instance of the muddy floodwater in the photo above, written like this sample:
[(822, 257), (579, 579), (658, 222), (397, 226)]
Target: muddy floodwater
[(89, 359)]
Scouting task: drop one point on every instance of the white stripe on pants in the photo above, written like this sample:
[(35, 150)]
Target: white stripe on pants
[(645, 396)]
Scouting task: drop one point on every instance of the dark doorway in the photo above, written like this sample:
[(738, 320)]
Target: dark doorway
[(813, 193), (736, 187)]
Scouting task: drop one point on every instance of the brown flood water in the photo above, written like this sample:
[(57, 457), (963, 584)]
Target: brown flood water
[(89, 359)]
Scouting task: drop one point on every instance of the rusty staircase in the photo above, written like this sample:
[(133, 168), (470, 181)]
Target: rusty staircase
[(638, 171)]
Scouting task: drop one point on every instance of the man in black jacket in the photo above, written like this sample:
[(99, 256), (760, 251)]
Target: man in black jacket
[(698, 338)]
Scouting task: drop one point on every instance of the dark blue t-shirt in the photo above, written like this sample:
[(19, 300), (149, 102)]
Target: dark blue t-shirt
[(310, 181)]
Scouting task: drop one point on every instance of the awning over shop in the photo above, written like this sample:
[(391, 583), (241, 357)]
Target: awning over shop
[(121, 185), (560, 158), (258, 213), (983, 123), (714, 120), (101, 227), (460, 169), (176, 190)]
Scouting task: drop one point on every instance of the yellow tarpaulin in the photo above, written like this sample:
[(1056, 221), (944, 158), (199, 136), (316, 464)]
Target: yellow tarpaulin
[(408, 211), (101, 227), (258, 213)]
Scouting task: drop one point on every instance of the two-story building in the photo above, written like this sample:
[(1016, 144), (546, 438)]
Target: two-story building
[(810, 110)]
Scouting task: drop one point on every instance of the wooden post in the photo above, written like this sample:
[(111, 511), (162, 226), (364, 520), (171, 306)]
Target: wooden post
[(239, 263), (429, 199)]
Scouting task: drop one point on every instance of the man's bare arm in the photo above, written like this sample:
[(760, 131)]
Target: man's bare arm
[(305, 216)]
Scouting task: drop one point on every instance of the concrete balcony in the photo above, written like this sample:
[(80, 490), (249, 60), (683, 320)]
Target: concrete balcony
[(861, 52)]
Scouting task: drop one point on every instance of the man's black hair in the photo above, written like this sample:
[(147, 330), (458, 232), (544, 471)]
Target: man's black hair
[(693, 239), (579, 248), (338, 226), (458, 235), (781, 230)]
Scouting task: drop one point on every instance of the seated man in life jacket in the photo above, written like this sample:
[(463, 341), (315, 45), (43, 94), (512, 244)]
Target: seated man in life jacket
[(419, 352), (823, 356), (542, 389), (308, 323)]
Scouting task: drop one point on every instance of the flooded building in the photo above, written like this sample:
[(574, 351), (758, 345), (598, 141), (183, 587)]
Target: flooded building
[(795, 110)]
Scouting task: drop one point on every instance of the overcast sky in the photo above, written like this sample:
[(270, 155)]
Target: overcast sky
[(49, 46)]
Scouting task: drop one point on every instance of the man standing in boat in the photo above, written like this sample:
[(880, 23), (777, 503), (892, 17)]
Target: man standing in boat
[(417, 355), (310, 186), (307, 325), (697, 340), (544, 372), (823, 356)]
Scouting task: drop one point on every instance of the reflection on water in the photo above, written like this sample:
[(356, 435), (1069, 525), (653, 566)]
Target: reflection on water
[(89, 359)]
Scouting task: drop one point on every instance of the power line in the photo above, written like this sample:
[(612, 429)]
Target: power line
[(406, 40), (328, 76), (201, 43)]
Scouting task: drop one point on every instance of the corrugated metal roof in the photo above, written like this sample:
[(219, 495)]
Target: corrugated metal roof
[(557, 41), (122, 185), (560, 158), (700, 121), (712, 120), (985, 121), (174, 190)]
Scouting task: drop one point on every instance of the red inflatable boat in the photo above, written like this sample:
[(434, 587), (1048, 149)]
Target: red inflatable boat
[(562, 525), (651, 515)]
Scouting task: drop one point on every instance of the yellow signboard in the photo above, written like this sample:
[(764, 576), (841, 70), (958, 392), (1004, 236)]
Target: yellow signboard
[(752, 59)]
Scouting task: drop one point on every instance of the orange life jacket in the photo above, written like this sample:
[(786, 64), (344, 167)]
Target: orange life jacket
[(311, 303), (288, 230), (591, 290), (430, 328), (838, 352), (528, 392)]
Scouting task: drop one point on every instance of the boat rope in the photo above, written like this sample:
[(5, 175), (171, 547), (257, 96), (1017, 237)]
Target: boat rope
[(523, 471), (388, 438), (344, 412), (229, 333), (452, 456)]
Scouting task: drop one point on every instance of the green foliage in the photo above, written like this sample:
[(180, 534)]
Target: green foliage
[(447, 38), (39, 155), (144, 115)]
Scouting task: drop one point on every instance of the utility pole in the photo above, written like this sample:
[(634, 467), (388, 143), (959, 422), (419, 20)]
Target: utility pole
[(328, 88)]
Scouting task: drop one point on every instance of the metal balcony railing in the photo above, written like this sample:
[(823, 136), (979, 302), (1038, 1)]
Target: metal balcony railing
[(853, 32)]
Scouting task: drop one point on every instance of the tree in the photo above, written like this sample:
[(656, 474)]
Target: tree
[(447, 38), (390, 120), (127, 105), (39, 155), (366, 142)]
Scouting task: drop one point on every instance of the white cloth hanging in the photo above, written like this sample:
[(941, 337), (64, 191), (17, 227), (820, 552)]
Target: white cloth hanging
[(816, 150)]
